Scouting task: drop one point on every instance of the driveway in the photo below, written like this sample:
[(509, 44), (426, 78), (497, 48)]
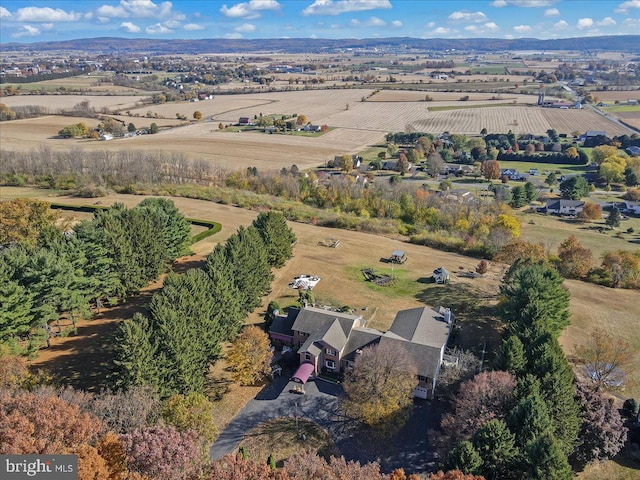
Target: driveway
[(317, 404), (412, 448)]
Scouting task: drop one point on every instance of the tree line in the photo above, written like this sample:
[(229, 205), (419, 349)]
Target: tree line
[(47, 273), (529, 418), (171, 347)]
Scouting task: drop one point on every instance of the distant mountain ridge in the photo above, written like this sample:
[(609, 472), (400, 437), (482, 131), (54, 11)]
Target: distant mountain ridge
[(113, 45)]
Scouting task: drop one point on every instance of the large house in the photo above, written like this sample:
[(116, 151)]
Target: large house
[(565, 207), (328, 341)]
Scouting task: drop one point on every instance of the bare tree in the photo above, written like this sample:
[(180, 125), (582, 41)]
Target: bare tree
[(606, 357)]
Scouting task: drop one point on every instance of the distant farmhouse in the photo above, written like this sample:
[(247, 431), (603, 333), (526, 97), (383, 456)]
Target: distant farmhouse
[(328, 341)]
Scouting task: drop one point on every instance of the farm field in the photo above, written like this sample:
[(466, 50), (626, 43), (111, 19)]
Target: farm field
[(613, 95), (355, 125), (438, 97), (55, 102)]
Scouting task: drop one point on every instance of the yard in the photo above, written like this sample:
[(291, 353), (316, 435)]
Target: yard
[(82, 358)]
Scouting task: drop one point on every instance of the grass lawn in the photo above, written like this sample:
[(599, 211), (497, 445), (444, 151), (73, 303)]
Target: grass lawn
[(543, 167), (622, 108), (551, 231), (280, 438), (609, 470)]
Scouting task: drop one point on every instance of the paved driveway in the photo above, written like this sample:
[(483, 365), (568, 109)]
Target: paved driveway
[(412, 448), (275, 400)]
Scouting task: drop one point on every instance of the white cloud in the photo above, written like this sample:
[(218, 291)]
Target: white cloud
[(336, 7), (396, 24), (139, 9), (4, 12), (370, 22), (233, 36), (522, 3), (157, 29), (27, 31), (245, 27), (522, 28), (464, 16), (479, 29), (431, 24), (625, 6), (130, 27), (631, 23), (172, 24), (561, 24), (551, 12), (249, 9), (47, 26), (585, 23), (492, 26), (46, 14), (441, 31), (606, 22), (193, 27)]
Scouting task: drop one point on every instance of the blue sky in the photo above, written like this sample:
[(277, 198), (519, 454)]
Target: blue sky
[(31, 21)]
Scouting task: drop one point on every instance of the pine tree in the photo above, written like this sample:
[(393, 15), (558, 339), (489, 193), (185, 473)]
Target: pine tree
[(174, 229), (228, 308), (557, 388), (16, 307), (534, 297), (547, 460), (496, 446), (511, 356), (529, 420), (251, 271), (136, 356), (465, 458), (278, 237)]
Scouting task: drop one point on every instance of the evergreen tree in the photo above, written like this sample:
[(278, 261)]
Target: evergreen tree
[(465, 458), (228, 307), (547, 361), (518, 197), (136, 356), (547, 460), (533, 297), (278, 237), (613, 220), (16, 306), (250, 267), (496, 446), (530, 192), (511, 356), (529, 420), (174, 229)]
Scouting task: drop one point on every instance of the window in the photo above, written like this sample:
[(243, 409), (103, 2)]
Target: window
[(330, 351), (307, 356), (330, 364), (422, 379)]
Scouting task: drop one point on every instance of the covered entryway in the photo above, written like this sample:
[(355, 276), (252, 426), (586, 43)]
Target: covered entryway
[(301, 376)]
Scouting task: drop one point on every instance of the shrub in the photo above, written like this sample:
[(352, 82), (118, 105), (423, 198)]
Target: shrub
[(482, 267)]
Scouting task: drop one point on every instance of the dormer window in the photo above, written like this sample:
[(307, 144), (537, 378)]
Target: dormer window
[(331, 352)]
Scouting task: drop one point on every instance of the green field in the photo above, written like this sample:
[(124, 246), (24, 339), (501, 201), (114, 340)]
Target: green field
[(622, 108)]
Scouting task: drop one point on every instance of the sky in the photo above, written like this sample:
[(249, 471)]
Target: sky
[(35, 20)]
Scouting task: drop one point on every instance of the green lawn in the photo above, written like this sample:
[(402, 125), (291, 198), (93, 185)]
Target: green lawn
[(404, 285), (622, 108), (543, 167), (551, 231)]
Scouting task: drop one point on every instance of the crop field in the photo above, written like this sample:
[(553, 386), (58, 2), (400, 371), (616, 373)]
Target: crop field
[(448, 97), (55, 102), (613, 95), (355, 124), (630, 118)]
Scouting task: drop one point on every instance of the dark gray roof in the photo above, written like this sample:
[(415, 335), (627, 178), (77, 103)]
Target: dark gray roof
[(332, 328), (282, 324), (422, 326), (426, 358), (310, 319), (360, 338), (562, 203)]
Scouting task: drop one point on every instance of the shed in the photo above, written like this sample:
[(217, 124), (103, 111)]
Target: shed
[(398, 256)]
